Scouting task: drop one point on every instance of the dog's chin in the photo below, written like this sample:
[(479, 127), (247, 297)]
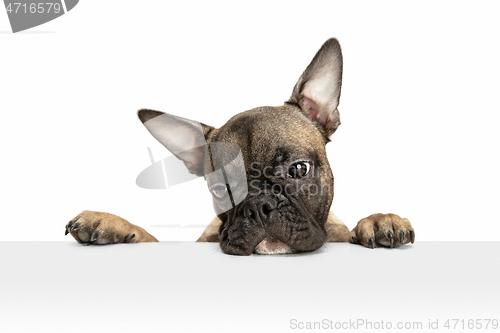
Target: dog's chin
[(270, 245)]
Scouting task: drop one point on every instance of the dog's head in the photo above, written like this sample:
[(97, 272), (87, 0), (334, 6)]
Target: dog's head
[(266, 168)]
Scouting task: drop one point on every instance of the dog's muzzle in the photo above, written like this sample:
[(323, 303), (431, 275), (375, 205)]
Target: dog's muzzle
[(261, 208)]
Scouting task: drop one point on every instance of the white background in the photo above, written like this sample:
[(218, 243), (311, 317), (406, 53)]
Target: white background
[(419, 107)]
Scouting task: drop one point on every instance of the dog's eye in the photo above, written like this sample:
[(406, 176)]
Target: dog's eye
[(219, 191), (299, 170)]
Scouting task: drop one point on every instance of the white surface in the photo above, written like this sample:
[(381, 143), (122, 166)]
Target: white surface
[(193, 287), (419, 107)]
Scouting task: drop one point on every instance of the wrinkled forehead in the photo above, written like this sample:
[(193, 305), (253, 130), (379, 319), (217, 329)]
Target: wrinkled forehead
[(270, 135)]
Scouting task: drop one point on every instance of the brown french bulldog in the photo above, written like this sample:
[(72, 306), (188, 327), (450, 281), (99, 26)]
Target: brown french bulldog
[(276, 197)]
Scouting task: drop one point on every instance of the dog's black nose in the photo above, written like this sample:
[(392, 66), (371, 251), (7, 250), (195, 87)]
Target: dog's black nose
[(260, 207)]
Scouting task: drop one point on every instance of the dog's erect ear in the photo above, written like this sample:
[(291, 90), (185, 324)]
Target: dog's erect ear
[(185, 138), (318, 90)]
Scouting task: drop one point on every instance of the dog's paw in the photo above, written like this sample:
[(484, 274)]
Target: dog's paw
[(100, 228), (387, 230)]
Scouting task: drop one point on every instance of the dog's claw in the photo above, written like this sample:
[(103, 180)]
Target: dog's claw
[(129, 238), (355, 240), (74, 226), (372, 243), (67, 227), (94, 236), (412, 236), (402, 237), (391, 237)]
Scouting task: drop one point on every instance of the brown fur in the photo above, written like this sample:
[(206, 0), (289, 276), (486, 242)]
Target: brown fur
[(104, 228)]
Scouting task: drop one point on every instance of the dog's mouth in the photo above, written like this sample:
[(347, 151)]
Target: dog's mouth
[(270, 245), (270, 224)]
